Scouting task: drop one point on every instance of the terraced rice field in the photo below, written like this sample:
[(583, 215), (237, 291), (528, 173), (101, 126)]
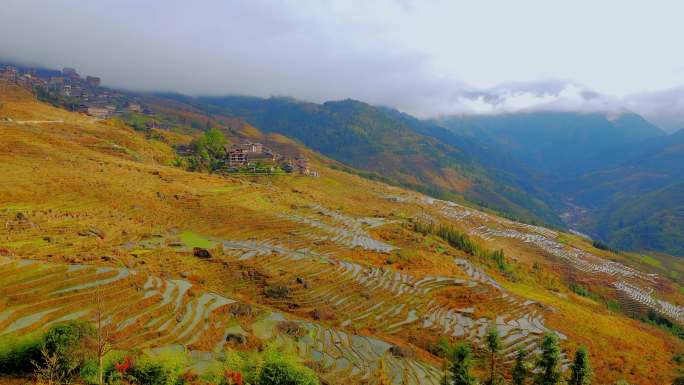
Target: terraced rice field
[(374, 298), (388, 301), (635, 289), (150, 312), (344, 230)]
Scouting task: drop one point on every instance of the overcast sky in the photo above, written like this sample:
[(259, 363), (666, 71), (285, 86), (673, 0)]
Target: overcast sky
[(423, 57)]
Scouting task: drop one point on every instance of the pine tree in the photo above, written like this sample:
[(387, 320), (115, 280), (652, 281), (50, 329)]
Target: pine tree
[(580, 369), (548, 364), (494, 346), (459, 366), (520, 372)]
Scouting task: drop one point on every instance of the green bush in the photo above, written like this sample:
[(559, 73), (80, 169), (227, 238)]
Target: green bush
[(268, 367), (63, 343), (89, 371), (64, 352), (153, 373), (163, 368), (280, 371), (18, 353)]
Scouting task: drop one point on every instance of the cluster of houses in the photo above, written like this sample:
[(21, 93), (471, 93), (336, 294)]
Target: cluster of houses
[(248, 154), (85, 94), (256, 157)]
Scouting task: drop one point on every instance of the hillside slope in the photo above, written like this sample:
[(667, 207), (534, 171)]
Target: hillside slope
[(333, 267), (389, 144)]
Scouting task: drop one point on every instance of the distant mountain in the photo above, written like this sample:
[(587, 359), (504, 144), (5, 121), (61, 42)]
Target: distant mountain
[(651, 165), (640, 202), (565, 143), (615, 177)]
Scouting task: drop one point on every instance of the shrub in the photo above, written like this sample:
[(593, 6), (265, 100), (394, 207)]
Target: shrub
[(277, 291), (603, 246), (662, 322), (165, 368), (269, 367), (63, 352), (280, 371), (18, 353), (89, 371), (152, 373), (441, 348)]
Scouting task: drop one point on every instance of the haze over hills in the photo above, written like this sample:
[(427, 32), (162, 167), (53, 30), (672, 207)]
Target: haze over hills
[(638, 202), (559, 144)]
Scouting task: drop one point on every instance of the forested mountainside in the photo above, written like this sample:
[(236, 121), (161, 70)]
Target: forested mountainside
[(616, 176), (352, 278), (640, 202), (560, 144)]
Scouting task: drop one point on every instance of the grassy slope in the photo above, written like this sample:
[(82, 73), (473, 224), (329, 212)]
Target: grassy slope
[(79, 175)]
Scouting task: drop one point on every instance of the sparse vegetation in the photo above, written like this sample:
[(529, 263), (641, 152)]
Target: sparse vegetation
[(599, 244), (464, 243), (658, 320)]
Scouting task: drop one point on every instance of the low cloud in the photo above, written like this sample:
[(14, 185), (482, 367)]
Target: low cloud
[(386, 52), (664, 108)]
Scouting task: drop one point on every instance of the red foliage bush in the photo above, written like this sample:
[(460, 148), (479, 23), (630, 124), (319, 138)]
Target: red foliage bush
[(125, 366), (233, 378)]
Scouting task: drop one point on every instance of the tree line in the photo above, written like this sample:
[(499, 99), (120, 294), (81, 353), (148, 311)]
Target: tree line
[(545, 370), (463, 242)]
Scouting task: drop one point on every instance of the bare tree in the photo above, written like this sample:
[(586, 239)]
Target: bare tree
[(48, 370), (103, 340)]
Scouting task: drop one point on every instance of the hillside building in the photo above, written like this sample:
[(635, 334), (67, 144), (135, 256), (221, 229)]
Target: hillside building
[(99, 112), (237, 157), (249, 153), (93, 81), (71, 74), (9, 74), (134, 107)]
